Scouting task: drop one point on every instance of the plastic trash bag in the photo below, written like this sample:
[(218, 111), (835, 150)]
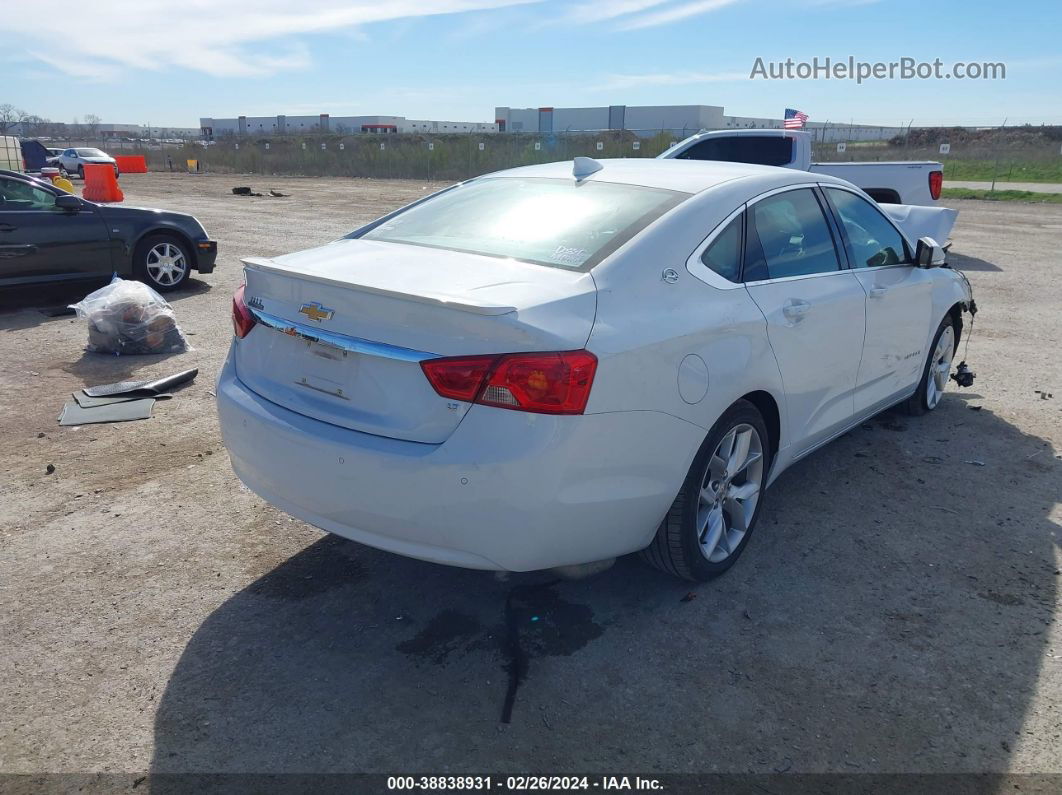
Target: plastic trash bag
[(128, 317)]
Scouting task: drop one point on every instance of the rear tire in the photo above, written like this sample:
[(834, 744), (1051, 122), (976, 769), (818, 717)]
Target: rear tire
[(936, 371), (715, 512)]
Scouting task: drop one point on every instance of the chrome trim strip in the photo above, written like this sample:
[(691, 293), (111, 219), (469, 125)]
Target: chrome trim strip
[(340, 341)]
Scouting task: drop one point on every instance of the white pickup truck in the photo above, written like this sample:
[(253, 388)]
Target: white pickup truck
[(907, 191)]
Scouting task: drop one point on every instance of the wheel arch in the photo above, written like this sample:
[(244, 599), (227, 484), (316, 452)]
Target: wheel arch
[(170, 232), (768, 407), (955, 313)]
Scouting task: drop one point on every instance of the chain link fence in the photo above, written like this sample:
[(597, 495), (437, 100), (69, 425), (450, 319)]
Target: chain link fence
[(1018, 154)]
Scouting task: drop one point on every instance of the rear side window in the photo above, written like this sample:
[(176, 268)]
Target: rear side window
[(872, 240), (764, 150), (788, 236), (723, 254)]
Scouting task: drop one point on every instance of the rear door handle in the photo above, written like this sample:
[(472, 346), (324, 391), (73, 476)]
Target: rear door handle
[(795, 309), (7, 228), (878, 292)]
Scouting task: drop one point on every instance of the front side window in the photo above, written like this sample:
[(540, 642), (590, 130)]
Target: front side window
[(872, 240), (556, 222), (18, 195), (90, 153), (788, 236), (723, 255)]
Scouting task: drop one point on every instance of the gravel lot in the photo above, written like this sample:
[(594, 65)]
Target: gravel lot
[(896, 611)]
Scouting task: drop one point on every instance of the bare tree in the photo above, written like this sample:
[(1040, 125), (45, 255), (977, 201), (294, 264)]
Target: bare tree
[(10, 117), (34, 125), (92, 123)]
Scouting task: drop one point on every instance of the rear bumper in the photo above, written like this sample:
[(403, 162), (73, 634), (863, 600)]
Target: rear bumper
[(206, 254), (507, 491)]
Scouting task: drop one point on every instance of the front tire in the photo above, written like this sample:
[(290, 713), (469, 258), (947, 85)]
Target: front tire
[(936, 371), (162, 262), (715, 512), (81, 173)]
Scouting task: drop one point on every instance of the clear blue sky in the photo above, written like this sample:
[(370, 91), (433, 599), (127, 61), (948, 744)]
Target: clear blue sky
[(164, 63)]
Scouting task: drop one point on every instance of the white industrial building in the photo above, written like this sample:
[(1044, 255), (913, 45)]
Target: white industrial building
[(643, 120), (648, 119), (678, 120), (212, 128)]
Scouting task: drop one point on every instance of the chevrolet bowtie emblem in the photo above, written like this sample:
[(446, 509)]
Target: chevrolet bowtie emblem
[(316, 312)]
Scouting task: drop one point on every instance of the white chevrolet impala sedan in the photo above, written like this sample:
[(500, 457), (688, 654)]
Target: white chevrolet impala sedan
[(557, 365)]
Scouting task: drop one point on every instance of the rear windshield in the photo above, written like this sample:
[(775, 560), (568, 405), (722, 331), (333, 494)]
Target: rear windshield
[(554, 222), (764, 150), (90, 153)]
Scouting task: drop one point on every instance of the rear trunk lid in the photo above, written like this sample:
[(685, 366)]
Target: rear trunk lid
[(342, 328)]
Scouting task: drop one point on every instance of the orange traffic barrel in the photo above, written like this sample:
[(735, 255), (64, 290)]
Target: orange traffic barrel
[(101, 184)]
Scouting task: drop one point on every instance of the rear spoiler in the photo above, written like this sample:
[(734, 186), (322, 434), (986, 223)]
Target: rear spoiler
[(460, 303)]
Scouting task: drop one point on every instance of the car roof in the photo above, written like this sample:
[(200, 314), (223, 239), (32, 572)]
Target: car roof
[(688, 176)]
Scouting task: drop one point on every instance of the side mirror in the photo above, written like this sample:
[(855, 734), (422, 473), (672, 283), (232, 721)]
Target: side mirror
[(68, 203), (928, 254)]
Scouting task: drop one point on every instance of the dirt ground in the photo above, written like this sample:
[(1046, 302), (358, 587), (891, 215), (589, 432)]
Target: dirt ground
[(897, 610)]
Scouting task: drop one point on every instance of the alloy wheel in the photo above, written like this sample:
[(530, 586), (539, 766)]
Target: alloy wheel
[(166, 264), (940, 367), (730, 490)]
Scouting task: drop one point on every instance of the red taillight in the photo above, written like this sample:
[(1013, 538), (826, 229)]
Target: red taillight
[(936, 182), (459, 378), (546, 383), (242, 319)]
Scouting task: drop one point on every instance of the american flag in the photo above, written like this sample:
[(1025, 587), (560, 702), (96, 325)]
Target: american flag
[(794, 119)]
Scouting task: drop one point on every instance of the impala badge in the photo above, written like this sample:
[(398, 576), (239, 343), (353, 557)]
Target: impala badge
[(316, 312)]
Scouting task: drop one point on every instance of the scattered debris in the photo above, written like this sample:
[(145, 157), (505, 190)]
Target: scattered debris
[(40, 435), (975, 408), (976, 463), (942, 508), (244, 190), (135, 389), (50, 469), (1043, 394), (120, 402), (119, 411), (689, 597)]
